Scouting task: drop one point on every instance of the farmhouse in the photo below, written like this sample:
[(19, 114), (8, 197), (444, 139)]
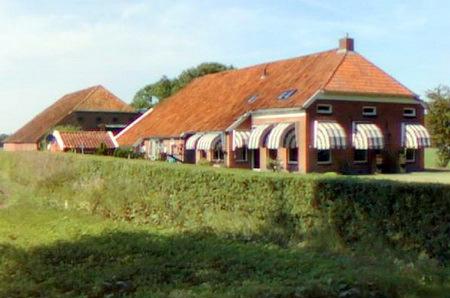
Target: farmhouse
[(94, 108), (328, 111)]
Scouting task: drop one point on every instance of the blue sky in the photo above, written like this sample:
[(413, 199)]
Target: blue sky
[(49, 48)]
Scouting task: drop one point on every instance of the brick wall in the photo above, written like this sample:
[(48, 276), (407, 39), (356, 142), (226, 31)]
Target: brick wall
[(389, 119), (20, 147)]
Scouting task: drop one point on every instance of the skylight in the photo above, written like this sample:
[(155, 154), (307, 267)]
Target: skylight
[(286, 94), (252, 98)]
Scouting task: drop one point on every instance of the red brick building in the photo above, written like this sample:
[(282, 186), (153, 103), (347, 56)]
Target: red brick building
[(94, 108), (328, 111)]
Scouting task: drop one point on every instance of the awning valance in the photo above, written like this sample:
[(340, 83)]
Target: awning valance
[(276, 138), (329, 135), (209, 140), (191, 142), (257, 136), (415, 136), (367, 136), (240, 138)]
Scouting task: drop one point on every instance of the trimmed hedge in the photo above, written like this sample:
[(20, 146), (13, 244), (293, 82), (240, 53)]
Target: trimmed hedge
[(281, 208)]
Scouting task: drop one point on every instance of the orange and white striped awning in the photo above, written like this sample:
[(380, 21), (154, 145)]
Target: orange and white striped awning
[(208, 141), (240, 138), (367, 136), (258, 135), (415, 136), (329, 135), (277, 135), (191, 142)]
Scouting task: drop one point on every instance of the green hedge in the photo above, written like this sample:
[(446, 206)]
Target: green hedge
[(282, 208)]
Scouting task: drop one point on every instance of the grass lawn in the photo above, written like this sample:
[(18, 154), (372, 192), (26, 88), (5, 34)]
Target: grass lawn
[(56, 253)]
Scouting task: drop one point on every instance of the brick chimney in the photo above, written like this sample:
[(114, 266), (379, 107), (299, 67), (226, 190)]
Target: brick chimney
[(346, 44)]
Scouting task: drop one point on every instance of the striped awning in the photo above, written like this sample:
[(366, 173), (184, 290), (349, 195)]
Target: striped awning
[(277, 135), (415, 136), (240, 138), (209, 140), (291, 139), (257, 136), (191, 143), (367, 136), (329, 135)]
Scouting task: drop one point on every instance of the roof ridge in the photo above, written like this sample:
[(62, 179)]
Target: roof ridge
[(333, 73), (94, 89)]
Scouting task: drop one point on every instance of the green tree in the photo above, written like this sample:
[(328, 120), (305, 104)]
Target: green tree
[(2, 139), (153, 93), (438, 122), (195, 72)]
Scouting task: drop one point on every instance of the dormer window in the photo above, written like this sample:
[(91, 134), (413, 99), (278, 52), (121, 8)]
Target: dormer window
[(324, 109), (286, 94), (409, 112), (252, 98), (369, 111)]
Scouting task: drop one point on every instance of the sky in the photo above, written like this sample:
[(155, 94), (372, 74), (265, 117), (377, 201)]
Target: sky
[(50, 48)]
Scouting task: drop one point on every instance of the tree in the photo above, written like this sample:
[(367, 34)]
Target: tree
[(438, 122), (2, 139), (153, 93), (195, 72)]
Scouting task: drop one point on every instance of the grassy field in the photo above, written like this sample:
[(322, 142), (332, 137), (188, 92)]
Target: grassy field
[(47, 252)]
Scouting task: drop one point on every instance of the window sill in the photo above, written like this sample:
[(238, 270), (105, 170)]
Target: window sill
[(324, 163), (360, 162), (292, 162), (241, 160)]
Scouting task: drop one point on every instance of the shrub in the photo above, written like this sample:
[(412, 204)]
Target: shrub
[(281, 208)]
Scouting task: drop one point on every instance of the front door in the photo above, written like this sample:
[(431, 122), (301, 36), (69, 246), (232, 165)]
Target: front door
[(255, 158)]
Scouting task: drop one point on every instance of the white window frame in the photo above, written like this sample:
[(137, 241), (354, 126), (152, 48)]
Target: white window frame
[(244, 149), (324, 162), (361, 161), (322, 105), (291, 162), (373, 113), (413, 160), (406, 114)]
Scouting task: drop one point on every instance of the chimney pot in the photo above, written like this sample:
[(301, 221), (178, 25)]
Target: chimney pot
[(346, 44)]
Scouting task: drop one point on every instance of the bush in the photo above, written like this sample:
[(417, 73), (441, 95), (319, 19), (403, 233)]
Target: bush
[(281, 208)]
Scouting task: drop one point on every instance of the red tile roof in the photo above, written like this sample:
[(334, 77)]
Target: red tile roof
[(214, 102), (87, 139), (96, 98)]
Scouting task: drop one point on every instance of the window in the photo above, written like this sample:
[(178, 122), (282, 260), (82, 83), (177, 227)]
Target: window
[(292, 155), (286, 94), (324, 156), (324, 109), (273, 154), (241, 154), (252, 98), (409, 112), (410, 155), (369, 111), (202, 154), (360, 156), (99, 119), (218, 152)]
